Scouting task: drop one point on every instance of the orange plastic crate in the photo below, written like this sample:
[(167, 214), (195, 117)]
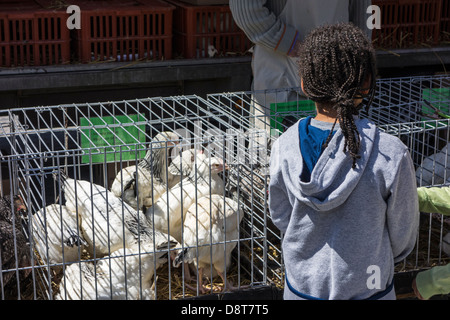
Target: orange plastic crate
[(196, 28), (445, 21), (124, 30), (32, 35), (206, 2), (408, 23)]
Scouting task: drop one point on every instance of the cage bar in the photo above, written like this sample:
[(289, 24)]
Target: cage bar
[(94, 142), (415, 109)]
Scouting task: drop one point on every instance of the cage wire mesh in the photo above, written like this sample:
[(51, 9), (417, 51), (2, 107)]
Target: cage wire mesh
[(415, 109), (98, 142), (63, 161)]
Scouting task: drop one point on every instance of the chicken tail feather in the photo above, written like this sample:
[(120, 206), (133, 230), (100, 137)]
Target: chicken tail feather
[(180, 257), (75, 239)]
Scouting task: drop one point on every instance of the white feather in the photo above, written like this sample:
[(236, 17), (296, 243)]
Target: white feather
[(202, 179), (127, 275), (108, 223), (57, 231), (132, 176), (435, 168), (146, 181), (212, 224), (212, 51)]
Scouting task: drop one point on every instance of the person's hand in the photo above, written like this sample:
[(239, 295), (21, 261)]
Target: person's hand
[(416, 292)]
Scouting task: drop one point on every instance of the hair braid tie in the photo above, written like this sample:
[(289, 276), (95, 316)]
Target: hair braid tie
[(344, 100)]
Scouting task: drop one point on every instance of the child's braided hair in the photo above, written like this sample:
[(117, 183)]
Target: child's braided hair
[(335, 63)]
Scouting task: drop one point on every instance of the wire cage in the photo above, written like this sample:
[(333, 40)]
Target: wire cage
[(427, 141), (63, 162), (415, 109), (44, 147)]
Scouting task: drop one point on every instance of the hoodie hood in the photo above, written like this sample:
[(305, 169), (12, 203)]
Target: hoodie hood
[(333, 178)]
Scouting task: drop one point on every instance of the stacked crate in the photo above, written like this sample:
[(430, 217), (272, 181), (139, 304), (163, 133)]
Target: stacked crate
[(32, 34), (206, 2), (126, 30), (205, 31), (408, 23), (445, 21)]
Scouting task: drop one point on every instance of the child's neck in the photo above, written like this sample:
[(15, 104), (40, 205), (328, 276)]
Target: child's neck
[(325, 118), (325, 113)]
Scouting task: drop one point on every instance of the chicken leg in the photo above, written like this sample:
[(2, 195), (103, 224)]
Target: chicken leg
[(228, 284), (200, 284)]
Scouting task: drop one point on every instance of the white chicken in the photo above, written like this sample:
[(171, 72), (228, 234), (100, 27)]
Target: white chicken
[(434, 168), (200, 178), (127, 275), (107, 222), (211, 231), (57, 235), (146, 181)]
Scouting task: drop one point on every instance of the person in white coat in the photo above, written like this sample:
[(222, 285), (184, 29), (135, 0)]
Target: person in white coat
[(277, 27)]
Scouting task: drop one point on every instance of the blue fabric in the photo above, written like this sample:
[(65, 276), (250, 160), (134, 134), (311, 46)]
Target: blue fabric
[(298, 293), (311, 142), (376, 296), (318, 219)]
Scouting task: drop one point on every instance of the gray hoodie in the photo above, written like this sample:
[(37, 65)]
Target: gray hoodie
[(345, 229)]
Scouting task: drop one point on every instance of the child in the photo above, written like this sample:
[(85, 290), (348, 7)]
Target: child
[(437, 279), (342, 192)]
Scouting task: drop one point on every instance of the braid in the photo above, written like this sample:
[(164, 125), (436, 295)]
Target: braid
[(350, 131), (334, 63)]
